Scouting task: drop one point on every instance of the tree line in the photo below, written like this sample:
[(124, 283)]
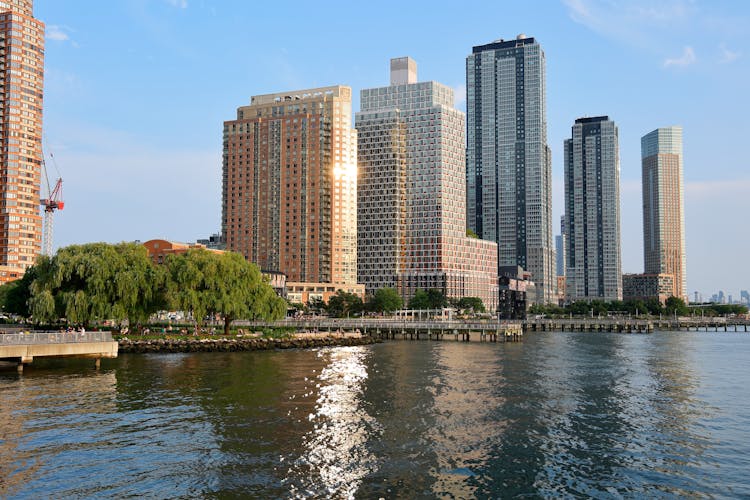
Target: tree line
[(387, 300), (653, 307), (83, 284)]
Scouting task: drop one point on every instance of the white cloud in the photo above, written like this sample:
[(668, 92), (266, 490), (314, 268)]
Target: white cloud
[(686, 59), (728, 56), (181, 4), (57, 33), (459, 93)]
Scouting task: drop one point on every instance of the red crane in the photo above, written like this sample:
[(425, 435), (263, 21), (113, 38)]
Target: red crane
[(50, 204)]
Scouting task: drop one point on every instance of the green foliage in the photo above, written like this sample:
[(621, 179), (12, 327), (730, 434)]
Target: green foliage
[(431, 299), (474, 303), (84, 283), (385, 300), (208, 283), (316, 305), (344, 304), (14, 296), (675, 305), (471, 234)]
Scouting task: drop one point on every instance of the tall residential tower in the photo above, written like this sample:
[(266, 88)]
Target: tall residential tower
[(21, 92), (663, 206), (508, 163), (592, 211), (290, 189), (412, 191)]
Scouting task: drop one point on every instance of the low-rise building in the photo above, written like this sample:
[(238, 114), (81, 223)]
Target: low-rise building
[(647, 286)]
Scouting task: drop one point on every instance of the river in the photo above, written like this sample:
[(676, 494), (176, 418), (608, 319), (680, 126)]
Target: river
[(561, 414)]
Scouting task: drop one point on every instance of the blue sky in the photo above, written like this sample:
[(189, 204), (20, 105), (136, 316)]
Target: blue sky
[(136, 92)]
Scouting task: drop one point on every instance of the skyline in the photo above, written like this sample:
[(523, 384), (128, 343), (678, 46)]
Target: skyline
[(136, 93)]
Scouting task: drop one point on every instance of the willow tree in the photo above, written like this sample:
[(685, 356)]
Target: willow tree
[(205, 282), (96, 281)]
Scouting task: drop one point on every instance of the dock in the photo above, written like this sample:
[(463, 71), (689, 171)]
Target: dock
[(393, 329), (22, 348)]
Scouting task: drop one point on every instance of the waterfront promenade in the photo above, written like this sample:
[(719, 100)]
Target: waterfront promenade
[(23, 347), (503, 330)]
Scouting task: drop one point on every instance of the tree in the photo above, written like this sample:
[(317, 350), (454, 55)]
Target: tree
[(343, 304), (471, 234), (420, 300), (14, 296), (385, 300), (84, 283), (473, 303), (675, 305), (205, 282)]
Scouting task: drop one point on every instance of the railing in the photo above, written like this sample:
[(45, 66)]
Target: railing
[(34, 338), (347, 323)]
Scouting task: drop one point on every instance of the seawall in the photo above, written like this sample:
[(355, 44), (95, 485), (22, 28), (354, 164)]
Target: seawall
[(128, 345)]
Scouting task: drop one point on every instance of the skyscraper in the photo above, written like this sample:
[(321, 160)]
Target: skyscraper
[(592, 211), (508, 167), (412, 192), (560, 243), (290, 189), (21, 92), (663, 206)]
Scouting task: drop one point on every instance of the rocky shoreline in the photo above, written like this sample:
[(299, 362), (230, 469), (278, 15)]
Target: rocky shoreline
[(127, 345)]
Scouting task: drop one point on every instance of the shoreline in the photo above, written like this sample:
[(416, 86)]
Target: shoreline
[(223, 344)]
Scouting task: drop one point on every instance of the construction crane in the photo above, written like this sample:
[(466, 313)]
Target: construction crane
[(52, 203)]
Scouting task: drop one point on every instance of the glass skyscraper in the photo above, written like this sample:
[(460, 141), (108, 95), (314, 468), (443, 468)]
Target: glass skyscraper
[(592, 211), (508, 162)]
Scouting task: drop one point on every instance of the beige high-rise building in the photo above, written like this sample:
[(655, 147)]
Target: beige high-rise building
[(412, 193), (664, 207), (21, 92), (290, 189)]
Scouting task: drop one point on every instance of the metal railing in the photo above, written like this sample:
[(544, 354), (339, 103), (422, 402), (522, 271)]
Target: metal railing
[(33, 338)]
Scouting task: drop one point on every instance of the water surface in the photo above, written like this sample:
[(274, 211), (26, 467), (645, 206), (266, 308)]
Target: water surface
[(561, 414)]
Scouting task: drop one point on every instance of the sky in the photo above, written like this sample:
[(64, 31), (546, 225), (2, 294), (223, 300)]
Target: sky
[(136, 93)]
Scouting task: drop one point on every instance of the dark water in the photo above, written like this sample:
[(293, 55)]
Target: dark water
[(600, 415)]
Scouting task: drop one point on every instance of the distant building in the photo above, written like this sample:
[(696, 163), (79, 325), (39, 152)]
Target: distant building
[(664, 206), (592, 211), (561, 241), (158, 250), (289, 194), (508, 162), (516, 293), (214, 242), (412, 193), (21, 96), (561, 282), (745, 297), (647, 286)]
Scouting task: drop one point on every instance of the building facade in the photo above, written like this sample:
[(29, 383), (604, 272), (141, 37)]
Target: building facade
[(21, 94), (289, 196), (647, 286), (592, 211), (508, 164), (664, 207), (411, 193)]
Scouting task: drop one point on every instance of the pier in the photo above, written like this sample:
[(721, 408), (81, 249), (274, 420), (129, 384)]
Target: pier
[(22, 348), (392, 329)]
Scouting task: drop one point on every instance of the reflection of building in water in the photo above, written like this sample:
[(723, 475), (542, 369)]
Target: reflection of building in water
[(464, 431)]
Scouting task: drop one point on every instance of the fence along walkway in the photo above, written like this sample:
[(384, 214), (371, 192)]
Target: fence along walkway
[(24, 347)]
